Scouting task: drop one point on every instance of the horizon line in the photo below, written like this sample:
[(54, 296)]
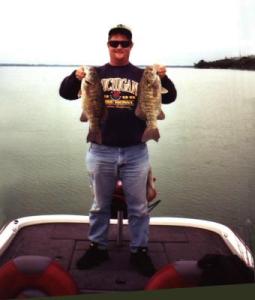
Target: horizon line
[(72, 65)]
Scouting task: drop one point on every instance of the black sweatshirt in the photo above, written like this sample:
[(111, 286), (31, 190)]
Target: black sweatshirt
[(120, 84)]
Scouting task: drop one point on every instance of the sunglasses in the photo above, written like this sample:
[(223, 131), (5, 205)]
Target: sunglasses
[(115, 44)]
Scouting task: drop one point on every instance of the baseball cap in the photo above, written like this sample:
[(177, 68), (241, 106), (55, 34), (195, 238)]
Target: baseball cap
[(120, 28)]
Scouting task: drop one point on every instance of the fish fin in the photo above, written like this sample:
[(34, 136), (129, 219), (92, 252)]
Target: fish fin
[(161, 115), (164, 90), (94, 137), (83, 117), (139, 113), (151, 134)]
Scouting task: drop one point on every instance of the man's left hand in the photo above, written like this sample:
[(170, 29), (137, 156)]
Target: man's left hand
[(161, 71)]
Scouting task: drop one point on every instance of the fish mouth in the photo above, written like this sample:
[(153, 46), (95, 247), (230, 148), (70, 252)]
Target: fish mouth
[(89, 82)]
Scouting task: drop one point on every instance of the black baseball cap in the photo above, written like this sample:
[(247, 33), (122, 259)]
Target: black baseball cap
[(120, 28)]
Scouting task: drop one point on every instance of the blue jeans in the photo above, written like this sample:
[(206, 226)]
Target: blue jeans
[(105, 166)]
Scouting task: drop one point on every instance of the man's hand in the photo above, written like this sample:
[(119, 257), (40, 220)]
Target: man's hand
[(161, 70), (80, 73)]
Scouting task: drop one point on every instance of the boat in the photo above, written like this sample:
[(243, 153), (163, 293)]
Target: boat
[(57, 241)]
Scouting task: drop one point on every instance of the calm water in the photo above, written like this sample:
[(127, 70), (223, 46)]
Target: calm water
[(204, 161)]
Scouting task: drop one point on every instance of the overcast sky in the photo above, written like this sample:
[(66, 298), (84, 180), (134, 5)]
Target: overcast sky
[(171, 32)]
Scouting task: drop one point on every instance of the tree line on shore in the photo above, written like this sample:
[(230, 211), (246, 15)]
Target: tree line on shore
[(240, 63)]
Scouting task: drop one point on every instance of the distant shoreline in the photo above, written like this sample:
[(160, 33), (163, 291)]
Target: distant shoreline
[(235, 63)]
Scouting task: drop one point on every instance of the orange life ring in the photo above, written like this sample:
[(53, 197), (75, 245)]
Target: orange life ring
[(37, 273), (175, 276)]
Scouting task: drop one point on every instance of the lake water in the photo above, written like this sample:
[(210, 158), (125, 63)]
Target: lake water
[(204, 161)]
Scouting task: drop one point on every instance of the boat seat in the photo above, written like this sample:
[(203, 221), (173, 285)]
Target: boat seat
[(119, 206), (32, 275)]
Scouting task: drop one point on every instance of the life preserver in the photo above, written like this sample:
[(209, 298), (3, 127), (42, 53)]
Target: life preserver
[(35, 273), (179, 274)]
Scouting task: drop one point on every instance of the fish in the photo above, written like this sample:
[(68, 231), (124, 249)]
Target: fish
[(149, 102), (93, 106)]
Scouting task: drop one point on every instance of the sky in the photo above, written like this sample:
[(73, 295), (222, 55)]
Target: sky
[(170, 32)]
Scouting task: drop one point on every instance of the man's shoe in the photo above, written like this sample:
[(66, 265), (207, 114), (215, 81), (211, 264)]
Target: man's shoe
[(142, 262), (94, 256)]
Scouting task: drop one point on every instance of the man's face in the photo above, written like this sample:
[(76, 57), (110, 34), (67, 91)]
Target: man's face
[(119, 49)]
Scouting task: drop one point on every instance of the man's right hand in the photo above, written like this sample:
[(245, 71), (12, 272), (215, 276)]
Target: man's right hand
[(80, 73)]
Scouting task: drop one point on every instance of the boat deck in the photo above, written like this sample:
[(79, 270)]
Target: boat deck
[(66, 242)]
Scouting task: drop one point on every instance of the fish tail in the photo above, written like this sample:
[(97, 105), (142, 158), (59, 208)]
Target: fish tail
[(151, 134), (95, 136)]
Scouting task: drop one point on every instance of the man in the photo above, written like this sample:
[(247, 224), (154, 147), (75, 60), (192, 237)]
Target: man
[(121, 155)]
